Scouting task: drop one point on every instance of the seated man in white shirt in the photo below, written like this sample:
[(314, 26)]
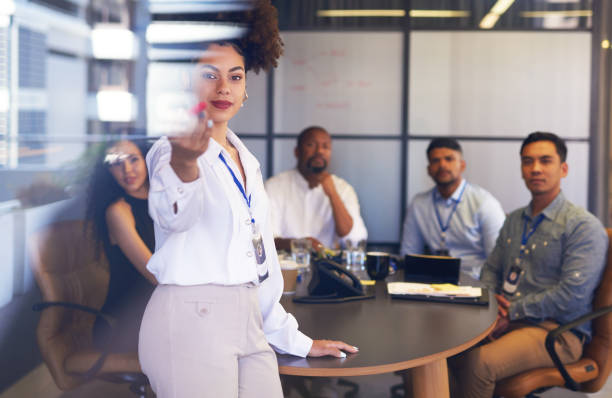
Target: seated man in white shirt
[(309, 202), (454, 218)]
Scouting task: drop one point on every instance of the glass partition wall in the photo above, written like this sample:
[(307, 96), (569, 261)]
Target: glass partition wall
[(384, 77), (385, 85)]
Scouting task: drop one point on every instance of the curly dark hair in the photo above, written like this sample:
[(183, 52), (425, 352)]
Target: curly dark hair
[(261, 46), (103, 190)]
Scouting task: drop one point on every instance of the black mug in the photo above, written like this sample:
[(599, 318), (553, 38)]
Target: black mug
[(377, 265)]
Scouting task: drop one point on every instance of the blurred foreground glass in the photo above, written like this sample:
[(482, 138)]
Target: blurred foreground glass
[(300, 251), (355, 255)]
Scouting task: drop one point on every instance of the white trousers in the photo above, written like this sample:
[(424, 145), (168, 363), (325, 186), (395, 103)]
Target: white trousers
[(207, 341)]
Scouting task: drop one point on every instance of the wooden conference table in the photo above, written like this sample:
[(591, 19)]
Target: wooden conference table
[(391, 335)]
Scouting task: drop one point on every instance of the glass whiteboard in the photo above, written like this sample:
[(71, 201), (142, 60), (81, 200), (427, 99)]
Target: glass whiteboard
[(349, 83)]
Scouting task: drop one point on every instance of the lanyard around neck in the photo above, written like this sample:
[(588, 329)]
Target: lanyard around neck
[(445, 226), (240, 187), (525, 236)]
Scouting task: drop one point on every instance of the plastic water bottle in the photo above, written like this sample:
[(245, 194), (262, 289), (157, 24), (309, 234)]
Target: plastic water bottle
[(348, 255), (359, 255)]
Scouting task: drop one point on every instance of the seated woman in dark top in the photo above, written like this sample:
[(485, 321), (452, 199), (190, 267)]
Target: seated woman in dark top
[(117, 209)]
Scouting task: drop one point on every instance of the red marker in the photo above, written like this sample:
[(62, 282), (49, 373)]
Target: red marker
[(198, 109)]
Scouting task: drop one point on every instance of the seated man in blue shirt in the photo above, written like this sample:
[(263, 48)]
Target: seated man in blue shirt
[(455, 217), (546, 264)]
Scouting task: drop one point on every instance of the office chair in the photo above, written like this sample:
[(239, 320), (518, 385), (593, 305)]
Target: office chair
[(589, 373), (73, 283)]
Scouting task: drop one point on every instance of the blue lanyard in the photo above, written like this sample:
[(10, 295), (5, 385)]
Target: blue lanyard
[(239, 185), (525, 237), (433, 198)]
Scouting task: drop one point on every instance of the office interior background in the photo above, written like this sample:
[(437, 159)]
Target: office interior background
[(384, 77)]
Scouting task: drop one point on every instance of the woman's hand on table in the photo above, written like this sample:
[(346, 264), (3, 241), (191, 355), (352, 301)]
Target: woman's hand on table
[(331, 347)]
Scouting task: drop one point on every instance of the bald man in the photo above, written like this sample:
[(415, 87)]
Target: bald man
[(309, 202)]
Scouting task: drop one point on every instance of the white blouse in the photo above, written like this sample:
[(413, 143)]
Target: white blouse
[(208, 239)]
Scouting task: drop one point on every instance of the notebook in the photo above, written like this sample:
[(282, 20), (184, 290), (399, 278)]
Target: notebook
[(431, 269), (439, 293)]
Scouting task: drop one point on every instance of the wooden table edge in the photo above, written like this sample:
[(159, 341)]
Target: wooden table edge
[(386, 368)]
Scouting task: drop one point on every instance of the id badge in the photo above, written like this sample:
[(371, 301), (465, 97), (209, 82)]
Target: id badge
[(512, 280), (260, 255)]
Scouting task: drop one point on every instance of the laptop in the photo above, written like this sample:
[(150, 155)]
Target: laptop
[(431, 269)]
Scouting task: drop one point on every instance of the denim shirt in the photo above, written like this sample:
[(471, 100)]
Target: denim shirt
[(561, 268)]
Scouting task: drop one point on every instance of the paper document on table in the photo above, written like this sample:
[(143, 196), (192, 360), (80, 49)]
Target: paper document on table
[(442, 290)]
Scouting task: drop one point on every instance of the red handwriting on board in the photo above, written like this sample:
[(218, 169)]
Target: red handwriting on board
[(333, 53), (329, 79), (327, 83)]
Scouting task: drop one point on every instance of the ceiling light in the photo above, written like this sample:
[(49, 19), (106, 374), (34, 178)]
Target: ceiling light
[(184, 32), (7, 7), (199, 7), (394, 13), (361, 13), (439, 13), (500, 7), (113, 43), (488, 21), (115, 106), (605, 44), (565, 13), (166, 54)]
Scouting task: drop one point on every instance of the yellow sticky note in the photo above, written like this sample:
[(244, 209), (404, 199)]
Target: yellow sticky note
[(444, 287)]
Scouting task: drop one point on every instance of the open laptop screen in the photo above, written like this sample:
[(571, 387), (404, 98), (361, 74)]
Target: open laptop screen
[(431, 269)]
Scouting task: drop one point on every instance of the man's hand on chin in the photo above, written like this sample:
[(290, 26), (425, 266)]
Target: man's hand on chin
[(325, 179), (327, 182), (317, 178)]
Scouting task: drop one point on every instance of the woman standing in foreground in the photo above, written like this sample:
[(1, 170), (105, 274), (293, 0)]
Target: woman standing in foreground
[(208, 327)]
